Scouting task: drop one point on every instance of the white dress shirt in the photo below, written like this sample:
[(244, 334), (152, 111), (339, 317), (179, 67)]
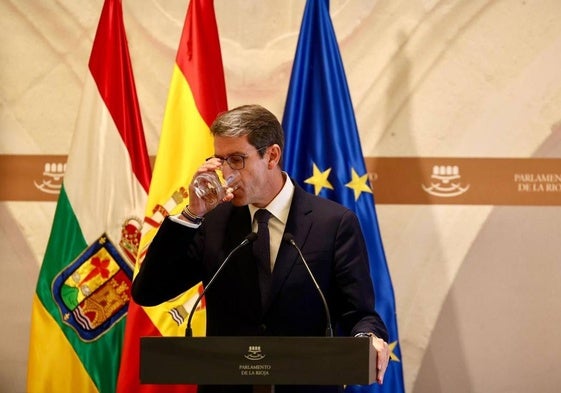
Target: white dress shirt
[(279, 208)]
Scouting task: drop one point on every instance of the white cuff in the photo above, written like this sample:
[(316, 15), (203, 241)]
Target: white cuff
[(178, 220)]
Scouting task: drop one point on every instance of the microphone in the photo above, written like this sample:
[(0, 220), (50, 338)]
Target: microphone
[(290, 239), (248, 239)]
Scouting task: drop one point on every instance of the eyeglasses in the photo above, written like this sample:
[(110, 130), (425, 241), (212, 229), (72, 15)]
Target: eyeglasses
[(236, 161)]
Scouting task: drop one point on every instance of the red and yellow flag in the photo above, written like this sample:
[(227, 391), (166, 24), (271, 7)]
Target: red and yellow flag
[(197, 94), (83, 289)]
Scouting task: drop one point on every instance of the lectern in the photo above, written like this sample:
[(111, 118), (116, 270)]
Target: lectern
[(258, 360)]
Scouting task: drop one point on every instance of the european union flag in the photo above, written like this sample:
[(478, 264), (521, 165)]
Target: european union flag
[(323, 155)]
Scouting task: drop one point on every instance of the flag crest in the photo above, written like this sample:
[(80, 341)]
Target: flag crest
[(92, 293)]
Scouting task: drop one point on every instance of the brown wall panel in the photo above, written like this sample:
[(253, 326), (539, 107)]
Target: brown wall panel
[(468, 181), (395, 180)]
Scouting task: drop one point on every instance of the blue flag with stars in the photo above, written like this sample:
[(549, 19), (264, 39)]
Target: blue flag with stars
[(323, 154)]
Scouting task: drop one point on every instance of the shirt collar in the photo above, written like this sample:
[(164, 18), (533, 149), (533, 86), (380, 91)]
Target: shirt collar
[(280, 205)]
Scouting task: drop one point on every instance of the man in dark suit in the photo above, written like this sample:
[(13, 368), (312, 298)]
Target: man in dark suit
[(280, 299)]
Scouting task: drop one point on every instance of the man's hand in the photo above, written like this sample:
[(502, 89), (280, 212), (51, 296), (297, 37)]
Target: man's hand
[(382, 359), (199, 206)]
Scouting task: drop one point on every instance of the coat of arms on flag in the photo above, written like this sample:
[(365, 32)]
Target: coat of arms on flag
[(92, 293)]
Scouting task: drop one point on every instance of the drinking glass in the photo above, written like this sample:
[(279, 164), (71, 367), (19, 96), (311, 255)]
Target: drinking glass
[(211, 189)]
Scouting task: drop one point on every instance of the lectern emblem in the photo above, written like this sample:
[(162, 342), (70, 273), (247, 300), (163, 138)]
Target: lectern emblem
[(254, 353)]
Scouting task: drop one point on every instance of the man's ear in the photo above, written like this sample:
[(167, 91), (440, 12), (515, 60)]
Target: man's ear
[(274, 156)]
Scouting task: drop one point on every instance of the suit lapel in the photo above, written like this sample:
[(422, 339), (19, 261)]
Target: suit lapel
[(239, 226), (298, 224)]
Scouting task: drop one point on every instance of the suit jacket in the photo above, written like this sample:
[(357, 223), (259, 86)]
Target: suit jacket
[(331, 241)]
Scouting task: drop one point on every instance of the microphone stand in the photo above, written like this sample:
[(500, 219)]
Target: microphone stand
[(328, 330), (248, 239)]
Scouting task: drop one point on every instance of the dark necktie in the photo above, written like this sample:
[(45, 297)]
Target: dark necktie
[(262, 253)]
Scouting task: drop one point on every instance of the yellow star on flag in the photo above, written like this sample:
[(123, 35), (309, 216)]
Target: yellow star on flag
[(358, 184), (393, 356), (319, 179)]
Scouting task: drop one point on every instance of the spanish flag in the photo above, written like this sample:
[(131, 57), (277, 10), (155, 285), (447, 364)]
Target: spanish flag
[(197, 94), (83, 289)]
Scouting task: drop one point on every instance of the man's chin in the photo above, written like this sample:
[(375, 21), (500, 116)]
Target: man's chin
[(238, 201)]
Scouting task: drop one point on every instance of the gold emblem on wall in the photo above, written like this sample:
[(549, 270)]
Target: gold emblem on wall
[(51, 183), (445, 182)]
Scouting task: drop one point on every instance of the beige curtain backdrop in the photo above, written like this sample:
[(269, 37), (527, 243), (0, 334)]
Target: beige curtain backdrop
[(478, 287)]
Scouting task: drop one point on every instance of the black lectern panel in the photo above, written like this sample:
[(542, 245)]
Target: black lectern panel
[(257, 360)]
